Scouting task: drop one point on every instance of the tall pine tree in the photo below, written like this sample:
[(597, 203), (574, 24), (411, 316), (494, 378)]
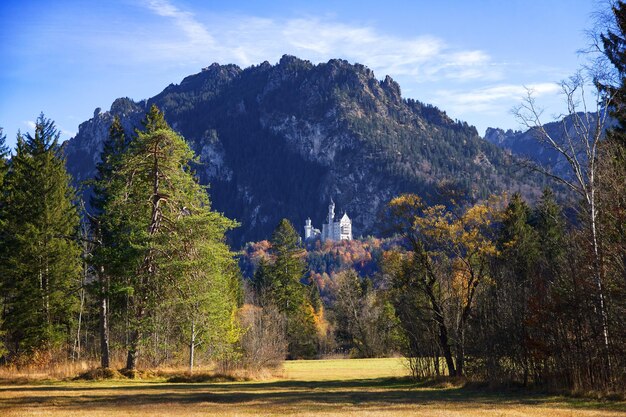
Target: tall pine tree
[(4, 166), (4, 156), (167, 243), (110, 159), (40, 256)]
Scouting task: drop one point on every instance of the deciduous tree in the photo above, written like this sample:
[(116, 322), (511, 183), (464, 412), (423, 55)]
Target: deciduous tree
[(449, 261)]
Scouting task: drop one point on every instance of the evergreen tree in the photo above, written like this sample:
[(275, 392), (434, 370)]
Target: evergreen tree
[(613, 173), (166, 240), (4, 156), (613, 44), (518, 251), (40, 258), (280, 285), (204, 281), (547, 219), (4, 166), (110, 159), (613, 179)]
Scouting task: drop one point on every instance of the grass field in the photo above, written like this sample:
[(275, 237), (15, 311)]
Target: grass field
[(370, 387)]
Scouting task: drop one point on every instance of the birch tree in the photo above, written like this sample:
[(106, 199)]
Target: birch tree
[(578, 143)]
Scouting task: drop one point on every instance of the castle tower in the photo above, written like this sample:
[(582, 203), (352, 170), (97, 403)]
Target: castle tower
[(308, 229), (331, 212)]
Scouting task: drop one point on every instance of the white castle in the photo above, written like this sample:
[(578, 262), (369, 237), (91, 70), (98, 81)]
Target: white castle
[(332, 230)]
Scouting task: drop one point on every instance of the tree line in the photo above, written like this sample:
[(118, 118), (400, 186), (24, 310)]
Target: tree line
[(150, 265), (498, 290)]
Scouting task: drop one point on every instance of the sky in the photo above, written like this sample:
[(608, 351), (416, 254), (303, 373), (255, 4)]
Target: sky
[(473, 59)]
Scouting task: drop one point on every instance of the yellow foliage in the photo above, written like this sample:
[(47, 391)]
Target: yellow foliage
[(461, 237)]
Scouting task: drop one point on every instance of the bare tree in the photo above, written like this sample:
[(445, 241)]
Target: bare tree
[(264, 343), (577, 142)]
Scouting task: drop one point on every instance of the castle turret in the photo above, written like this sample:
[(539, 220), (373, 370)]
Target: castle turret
[(308, 229), (331, 212)]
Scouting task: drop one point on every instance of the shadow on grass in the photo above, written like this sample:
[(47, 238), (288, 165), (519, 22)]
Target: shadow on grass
[(364, 392)]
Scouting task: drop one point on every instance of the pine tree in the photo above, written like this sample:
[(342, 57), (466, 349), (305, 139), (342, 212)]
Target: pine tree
[(165, 239), (555, 290), (547, 219), (280, 285), (4, 155), (613, 173), (40, 258), (613, 45), (518, 253), (110, 159), (203, 279), (4, 166)]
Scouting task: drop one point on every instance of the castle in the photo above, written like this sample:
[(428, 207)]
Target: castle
[(332, 230)]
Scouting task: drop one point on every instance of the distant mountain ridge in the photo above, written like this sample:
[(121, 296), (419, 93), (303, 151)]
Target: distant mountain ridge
[(281, 140), (527, 144)]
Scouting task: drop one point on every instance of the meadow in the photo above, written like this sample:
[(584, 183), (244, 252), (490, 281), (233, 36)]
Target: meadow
[(338, 387)]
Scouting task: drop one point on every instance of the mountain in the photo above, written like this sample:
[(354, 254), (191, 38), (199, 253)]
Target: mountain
[(527, 144), (281, 140)]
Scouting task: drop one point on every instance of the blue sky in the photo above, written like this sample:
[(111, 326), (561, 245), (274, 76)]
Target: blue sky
[(469, 58)]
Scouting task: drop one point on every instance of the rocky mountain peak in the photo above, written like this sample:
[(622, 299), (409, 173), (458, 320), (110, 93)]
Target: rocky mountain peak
[(391, 87)]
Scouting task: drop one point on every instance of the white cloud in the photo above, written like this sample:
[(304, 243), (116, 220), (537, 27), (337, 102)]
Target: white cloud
[(30, 124), (67, 133), (468, 83), (195, 31), (246, 40), (493, 99)]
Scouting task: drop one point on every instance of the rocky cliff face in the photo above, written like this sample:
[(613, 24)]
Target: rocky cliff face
[(280, 140), (524, 144), (83, 151)]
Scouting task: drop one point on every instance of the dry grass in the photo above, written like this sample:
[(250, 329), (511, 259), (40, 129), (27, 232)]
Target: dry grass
[(310, 388), (53, 371)]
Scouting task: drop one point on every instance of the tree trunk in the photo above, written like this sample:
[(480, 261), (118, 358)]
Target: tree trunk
[(599, 276), (104, 323), (77, 344), (135, 335), (443, 331), (460, 353), (133, 351), (460, 349), (445, 347), (192, 346)]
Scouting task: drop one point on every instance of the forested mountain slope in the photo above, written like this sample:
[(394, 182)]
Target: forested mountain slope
[(281, 140)]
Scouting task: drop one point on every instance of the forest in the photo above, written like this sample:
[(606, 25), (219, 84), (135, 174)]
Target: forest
[(499, 289)]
